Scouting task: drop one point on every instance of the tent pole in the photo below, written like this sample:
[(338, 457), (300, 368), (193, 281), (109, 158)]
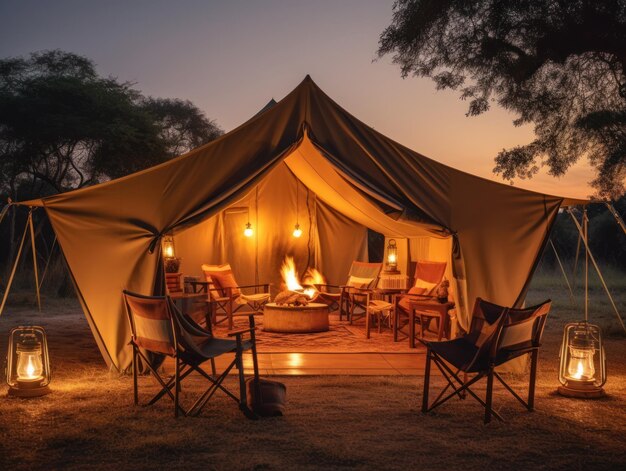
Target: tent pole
[(593, 260), (34, 250), (585, 235), (618, 218), (558, 259), (574, 272), (45, 270), (17, 259), (5, 210)]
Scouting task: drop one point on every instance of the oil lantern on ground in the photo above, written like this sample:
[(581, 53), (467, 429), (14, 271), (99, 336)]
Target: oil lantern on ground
[(28, 366), (582, 371), (391, 263)]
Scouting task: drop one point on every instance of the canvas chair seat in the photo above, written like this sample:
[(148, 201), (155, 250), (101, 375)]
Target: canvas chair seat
[(252, 298), (215, 347), (497, 335)]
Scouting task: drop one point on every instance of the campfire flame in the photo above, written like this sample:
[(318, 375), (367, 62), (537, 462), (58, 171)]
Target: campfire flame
[(314, 277), (292, 284), (288, 272)]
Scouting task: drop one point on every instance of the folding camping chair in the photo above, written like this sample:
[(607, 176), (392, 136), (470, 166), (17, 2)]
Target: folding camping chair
[(428, 275), (157, 326), (226, 297), (361, 275), (497, 335)]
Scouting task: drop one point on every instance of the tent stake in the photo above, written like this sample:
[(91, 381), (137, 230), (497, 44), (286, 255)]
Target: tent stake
[(558, 259), (593, 260), (34, 250), (17, 259)]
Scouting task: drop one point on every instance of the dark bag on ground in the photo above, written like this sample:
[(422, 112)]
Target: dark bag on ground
[(268, 398)]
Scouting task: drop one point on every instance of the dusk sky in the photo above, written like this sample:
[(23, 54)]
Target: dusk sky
[(229, 58)]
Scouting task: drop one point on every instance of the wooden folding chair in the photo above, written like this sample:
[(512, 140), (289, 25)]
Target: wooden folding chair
[(361, 275), (226, 297), (158, 327), (428, 275), (497, 335)]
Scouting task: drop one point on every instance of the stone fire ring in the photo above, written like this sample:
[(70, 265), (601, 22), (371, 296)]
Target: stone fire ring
[(295, 319)]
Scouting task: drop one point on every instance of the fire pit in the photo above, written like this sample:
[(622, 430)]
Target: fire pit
[(295, 319), (293, 309)]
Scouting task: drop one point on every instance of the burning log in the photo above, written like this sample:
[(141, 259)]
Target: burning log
[(295, 294), (292, 298)]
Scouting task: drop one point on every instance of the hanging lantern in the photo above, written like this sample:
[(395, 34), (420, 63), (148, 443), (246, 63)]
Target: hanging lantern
[(391, 264), (168, 247), (297, 232), (582, 371), (28, 367), (248, 232)]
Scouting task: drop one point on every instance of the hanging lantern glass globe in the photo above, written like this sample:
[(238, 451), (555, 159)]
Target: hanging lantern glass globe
[(297, 232), (248, 231)]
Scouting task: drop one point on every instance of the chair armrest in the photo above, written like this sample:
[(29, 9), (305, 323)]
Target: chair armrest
[(236, 332), (414, 296), (260, 285)]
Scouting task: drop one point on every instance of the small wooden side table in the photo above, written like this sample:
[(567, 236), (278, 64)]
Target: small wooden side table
[(429, 308)]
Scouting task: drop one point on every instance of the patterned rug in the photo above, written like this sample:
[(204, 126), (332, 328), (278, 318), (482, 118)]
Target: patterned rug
[(341, 338)]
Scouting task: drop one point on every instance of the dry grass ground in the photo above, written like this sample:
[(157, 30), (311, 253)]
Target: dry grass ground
[(331, 422)]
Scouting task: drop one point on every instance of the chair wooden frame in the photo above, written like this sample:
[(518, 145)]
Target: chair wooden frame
[(227, 304), (362, 298), (422, 315), (341, 298), (188, 359), (486, 359)]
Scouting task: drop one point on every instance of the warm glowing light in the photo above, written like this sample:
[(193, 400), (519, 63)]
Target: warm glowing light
[(581, 364), (295, 360), (392, 257), (168, 247), (288, 272), (314, 277), (29, 365), (248, 232), (297, 232)]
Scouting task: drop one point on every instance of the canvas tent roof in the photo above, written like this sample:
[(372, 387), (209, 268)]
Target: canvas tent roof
[(109, 232)]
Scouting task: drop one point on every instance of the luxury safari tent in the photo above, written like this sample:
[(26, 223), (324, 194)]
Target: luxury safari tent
[(306, 161)]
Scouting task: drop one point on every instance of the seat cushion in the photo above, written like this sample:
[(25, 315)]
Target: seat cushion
[(426, 287), (253, 298), (380, 305), (221, 276), (358, 282)]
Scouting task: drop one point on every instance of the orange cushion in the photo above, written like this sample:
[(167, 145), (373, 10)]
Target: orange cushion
[(405, 300), (221, 276)]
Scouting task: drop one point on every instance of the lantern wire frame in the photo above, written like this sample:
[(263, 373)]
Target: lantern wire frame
[(391, 259), (31, 340)]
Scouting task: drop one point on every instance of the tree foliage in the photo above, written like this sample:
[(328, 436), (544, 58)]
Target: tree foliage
[(62, 126), (558, 64)]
